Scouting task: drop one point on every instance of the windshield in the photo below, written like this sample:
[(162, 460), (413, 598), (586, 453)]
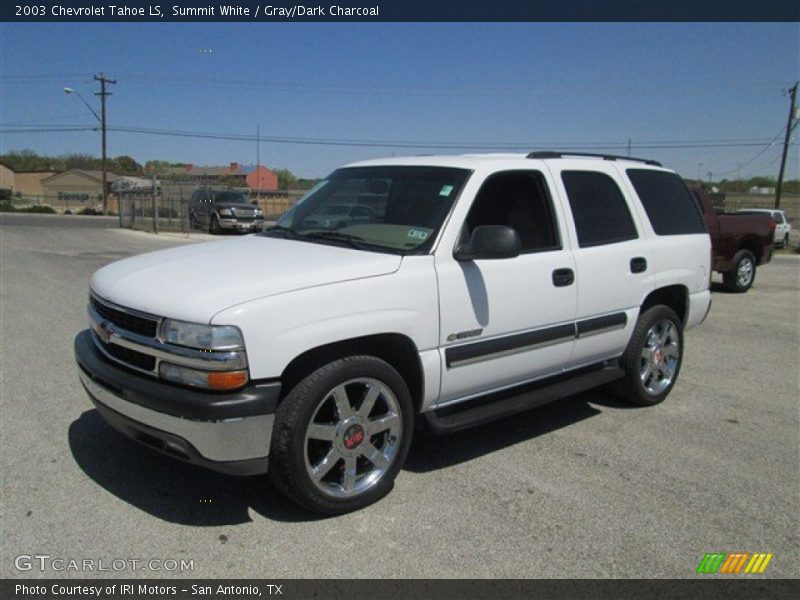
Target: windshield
[(391, 209), (230, 197)]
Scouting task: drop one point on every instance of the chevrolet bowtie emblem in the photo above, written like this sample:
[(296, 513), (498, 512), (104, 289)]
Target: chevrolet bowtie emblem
[(105, 331)]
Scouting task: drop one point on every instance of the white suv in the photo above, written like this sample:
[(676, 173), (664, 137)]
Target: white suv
[(481, 286), (782, 225)]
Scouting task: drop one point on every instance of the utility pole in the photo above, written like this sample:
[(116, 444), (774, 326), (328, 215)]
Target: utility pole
[(629, 146), (789, 127), (103, 93), (258, 164)]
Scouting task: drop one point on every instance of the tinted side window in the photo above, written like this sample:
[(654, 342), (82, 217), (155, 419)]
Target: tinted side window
[(670, 207), (599, 208), (520, 200)]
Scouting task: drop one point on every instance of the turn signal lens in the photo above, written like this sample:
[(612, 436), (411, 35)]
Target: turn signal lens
[(212, 380), (226, 380)]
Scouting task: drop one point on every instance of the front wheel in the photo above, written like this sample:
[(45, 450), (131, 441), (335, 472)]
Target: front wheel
[(341, 435), (741, 277), (653, 357), (214, 228)]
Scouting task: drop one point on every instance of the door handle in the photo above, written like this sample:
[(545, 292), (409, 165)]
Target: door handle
[(638, 264), (563, 277)]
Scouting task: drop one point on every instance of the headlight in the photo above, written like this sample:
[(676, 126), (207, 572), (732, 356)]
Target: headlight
[(214, 380), (226, 212), (259, 212), (204, 337)]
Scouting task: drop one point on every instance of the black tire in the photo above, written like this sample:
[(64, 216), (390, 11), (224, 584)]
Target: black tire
[(214, 227), (634, 388), (291, 463), (742, 274), (785, 241)]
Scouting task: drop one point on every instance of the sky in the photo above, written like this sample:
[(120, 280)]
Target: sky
[(472, 86)]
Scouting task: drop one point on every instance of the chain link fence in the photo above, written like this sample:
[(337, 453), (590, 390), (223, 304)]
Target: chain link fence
[(164, 205)]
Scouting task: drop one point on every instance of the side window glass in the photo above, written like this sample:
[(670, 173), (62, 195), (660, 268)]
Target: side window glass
[(520, 200), (670, 206), (599, 208)]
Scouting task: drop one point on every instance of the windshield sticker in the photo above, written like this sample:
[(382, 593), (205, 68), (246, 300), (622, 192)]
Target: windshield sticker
[(445, 191), (417, 233)]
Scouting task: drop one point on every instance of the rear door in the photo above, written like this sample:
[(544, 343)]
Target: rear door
[(674, 223), (613, 259)]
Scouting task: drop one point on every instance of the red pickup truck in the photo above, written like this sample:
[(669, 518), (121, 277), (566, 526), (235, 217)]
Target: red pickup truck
[(739, 242)]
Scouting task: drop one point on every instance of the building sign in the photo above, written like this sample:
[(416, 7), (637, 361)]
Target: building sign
[(75, 196)]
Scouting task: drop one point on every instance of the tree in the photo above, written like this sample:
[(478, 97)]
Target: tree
[(286, 179), (160, 165), (28, 160), (81, 161), (126, 165)]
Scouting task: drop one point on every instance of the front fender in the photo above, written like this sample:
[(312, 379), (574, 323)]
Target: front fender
[(279, 328)]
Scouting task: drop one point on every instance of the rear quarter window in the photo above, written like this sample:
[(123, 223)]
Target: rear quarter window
[(599, 209), (669, 205)]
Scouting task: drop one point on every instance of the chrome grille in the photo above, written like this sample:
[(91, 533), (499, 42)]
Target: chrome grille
[(130, 357), (130, 337), (126, 320)]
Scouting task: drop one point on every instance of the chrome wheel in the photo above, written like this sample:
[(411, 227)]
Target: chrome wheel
[(353, 437), (744, 272), (660, 357)]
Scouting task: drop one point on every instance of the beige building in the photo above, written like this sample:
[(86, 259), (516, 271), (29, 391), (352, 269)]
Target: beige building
[(6, 178), (76, 188), (28, 184)]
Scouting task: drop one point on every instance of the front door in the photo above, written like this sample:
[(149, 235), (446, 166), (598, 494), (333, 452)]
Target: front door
[(504, 321)]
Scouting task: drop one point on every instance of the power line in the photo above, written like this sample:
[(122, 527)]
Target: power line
[(430, 144), (42, 76), (769, 164), (494, 146), (535, 90), (769, 145), (49, 129), (42, 122)]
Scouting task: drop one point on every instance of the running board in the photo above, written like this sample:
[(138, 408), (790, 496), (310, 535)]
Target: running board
[(497, 406)]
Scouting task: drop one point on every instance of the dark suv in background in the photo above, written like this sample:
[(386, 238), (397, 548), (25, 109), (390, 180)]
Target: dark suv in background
[(218, 210)]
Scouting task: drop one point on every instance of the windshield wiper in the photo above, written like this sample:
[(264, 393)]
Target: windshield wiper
[(353, 240), (287, 231)]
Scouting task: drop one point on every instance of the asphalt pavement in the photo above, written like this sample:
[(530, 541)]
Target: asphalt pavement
[(586, 487)]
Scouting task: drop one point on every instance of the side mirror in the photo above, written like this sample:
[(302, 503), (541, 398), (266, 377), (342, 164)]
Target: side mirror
[(489, 242)]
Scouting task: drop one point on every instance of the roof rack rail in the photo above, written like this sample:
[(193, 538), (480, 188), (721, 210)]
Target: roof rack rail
[(554, 154)]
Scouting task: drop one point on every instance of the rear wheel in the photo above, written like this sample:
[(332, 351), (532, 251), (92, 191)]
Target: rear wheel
[(653, 357), (785, 241), (341, 435), (741, 277)]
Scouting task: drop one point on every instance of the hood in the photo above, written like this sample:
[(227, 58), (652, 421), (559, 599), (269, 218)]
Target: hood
[(196, 281)]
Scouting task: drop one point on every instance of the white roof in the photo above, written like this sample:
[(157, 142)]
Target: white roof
[(475, 161)]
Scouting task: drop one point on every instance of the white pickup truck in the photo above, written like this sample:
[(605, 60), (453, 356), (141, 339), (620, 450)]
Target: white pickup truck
[(471, 288)]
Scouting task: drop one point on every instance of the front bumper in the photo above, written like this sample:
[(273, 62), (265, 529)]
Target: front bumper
[(235, 224), (230, 433)]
